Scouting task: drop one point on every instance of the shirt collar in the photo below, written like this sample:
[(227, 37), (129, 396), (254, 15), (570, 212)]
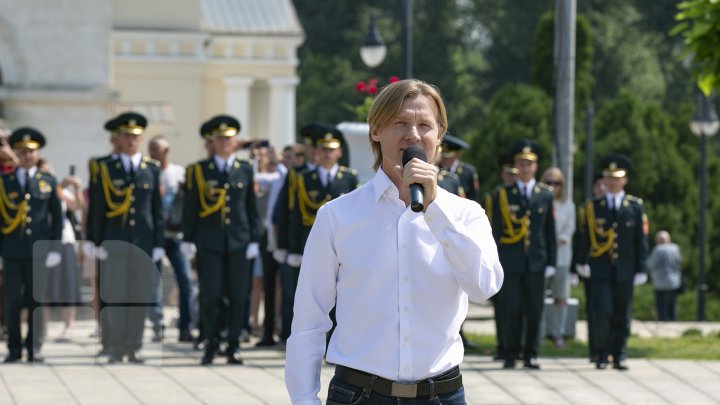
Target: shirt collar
[(333, 170), (617, 198), (31, 172), (382, 184), (527, 186), (134, 160), (221, 163)]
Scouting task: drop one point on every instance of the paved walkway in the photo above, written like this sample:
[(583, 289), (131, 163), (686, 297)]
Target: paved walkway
[(72, 375)]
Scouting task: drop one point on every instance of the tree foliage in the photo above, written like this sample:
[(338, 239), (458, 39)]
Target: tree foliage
[(699, 26)]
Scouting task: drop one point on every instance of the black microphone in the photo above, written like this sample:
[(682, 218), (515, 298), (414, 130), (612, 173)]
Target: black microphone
[(416, 190)]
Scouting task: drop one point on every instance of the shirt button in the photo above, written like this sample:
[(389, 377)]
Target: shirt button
[(405, 278), (407, 338), (132, 222), (406, 309), (132, 210)]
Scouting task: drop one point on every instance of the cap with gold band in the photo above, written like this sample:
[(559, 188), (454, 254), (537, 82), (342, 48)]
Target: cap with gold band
[(220, 125), (130, 123), (616, 165), (526, 149), (330, 139), (451, 145), (26, 137), (507, 163), (311, 132)]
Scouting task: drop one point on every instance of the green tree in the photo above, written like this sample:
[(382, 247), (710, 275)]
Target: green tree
[(515, 112), (699, 25), (543, 63)]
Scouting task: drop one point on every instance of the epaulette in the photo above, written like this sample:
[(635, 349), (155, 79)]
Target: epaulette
[(150, 160), (47, 173), (348, 170), (544, 186), (634, 199)]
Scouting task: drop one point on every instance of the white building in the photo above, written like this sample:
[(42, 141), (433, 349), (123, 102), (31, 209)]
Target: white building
[(66, 66)]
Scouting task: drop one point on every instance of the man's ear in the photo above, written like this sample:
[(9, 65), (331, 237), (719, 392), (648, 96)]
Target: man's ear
[(374, 135)]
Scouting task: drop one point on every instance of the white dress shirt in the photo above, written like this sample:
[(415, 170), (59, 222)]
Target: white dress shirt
[(133, 160), (526, 188), (222, 164), (22, 174), (614, 201), (401, 280), (326, 174)]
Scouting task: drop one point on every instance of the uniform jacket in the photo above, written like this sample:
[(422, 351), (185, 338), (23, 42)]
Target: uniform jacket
[(628, 248), (468, 179), (135, 215), (310, 195), (94, 170), (450, 182), (537, 243), (43, 221), (220, 213)]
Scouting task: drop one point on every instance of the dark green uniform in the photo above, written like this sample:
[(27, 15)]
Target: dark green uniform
[(310, 196), (94, 181), (450, 182), (29, 214), (468, 179), (614, 244), (220, 217), (525, 233), (128, 223)]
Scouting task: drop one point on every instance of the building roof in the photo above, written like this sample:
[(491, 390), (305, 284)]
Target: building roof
[(250, 17)]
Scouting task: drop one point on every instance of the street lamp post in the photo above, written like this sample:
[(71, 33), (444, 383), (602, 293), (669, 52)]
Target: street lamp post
[(704, 124), (373, 51)]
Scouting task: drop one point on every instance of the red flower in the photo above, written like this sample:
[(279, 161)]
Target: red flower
[(372, 89), (360, 86), (393, 79), (372, 82)]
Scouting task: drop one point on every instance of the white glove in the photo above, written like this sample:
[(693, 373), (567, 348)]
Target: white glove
[(101, 253), (583, 270), (279, 255), (188, 249), (253, 250), (88, 249), (294, 259), (640, 279), (157, 254), (52, 259), (549, 271), (573, 279)]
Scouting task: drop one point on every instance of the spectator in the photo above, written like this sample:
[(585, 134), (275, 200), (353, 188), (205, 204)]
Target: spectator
[(663, 264), (564, 229), (172, 176)]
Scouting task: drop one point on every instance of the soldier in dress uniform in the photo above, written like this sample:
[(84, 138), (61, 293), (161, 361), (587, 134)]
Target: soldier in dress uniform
[(329, 180), (221, 221), (508, 174), (524, 228), (611, 251), (31, 212), (283, 211), (450, 182), (88, 246), (129, 235), (452, 148)]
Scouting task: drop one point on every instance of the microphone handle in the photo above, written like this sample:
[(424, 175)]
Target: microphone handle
[(416, 197)]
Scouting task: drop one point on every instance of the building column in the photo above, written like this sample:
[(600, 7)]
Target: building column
[(282, 110), (237, 98)]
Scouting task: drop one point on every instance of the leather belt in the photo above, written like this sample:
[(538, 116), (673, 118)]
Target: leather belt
[(446, 383)]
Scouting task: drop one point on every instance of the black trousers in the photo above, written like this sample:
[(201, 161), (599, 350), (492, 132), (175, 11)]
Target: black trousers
[(611, 312), (223, 275), (128, 286), (270, 279), (22, 290), (522, 298)]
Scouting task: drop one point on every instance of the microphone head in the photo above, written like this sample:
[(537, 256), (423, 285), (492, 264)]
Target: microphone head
[(413, 152)]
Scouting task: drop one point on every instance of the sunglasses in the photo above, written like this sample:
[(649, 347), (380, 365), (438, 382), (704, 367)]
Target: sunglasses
[(553, 183)]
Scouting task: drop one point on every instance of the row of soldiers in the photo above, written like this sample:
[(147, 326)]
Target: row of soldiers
[(221, 226), (609, 252)]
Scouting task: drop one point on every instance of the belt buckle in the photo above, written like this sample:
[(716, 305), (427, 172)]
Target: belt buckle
[(403, 390)]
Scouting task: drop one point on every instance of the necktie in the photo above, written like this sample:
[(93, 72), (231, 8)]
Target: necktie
[(328, 180), (131, 171), (26, 187)]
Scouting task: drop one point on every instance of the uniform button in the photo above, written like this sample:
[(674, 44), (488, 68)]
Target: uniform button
[(27, 196), (227, 198), (132, 210), (528, 221), (615, 255), (615, 245), (28, 208), (615, 225), (227, 186), (227, 221), (28, 220), (28, 232), (132, 198), (132, 222), (227, 209)]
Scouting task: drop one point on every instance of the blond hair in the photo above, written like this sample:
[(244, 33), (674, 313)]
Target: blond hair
[(555, 172), (387, 106)]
